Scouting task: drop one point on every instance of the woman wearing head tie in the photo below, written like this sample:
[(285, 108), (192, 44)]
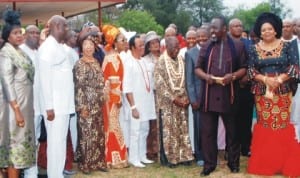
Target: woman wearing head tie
[(17, 142), (273, 68), (113, 71)]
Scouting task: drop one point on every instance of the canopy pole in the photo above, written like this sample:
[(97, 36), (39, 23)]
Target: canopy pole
[(14, 6), (99, 15)]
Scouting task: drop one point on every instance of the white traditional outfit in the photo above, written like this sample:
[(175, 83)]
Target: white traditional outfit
[(136, 81), (125, 114), (57, 93), (73, 56)]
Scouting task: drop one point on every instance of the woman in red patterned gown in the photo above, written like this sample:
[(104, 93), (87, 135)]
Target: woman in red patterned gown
[(116, 151)]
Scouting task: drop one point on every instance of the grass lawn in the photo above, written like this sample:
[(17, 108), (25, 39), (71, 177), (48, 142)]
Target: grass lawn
[(157, 171)]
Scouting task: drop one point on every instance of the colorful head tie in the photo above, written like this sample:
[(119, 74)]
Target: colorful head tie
[(110, 33)]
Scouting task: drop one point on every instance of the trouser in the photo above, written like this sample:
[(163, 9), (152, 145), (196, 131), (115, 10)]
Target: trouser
[(152, 140), (138, 139), (73, 130), (191, 127), (56, 145), (32, 172), (209, 139), (197, 135), (244, 120), (125, 120)]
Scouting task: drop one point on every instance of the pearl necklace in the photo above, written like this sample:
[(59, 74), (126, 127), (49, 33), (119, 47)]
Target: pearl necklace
[(174, 75)]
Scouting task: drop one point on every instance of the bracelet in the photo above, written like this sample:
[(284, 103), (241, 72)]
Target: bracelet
[(133, 107)]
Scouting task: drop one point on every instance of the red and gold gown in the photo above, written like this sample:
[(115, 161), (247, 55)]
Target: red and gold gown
[(116, 151), (274, 149)]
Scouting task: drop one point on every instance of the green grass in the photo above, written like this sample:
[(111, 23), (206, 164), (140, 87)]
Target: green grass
[(158, 171)]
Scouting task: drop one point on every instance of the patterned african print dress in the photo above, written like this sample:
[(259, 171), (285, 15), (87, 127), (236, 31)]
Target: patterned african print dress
[(116, 151), (89, 85), (274, 148)]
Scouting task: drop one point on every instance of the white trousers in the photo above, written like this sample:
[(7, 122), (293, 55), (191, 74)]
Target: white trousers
[(138, 139), (73, 131), (124, 120), (32, 172), (56, 145)]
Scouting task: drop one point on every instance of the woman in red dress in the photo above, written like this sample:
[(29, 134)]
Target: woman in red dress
[(274, 69), (116, 151)]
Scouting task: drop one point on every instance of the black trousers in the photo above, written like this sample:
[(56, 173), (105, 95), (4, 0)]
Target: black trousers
[(244, 119), (209, 134)]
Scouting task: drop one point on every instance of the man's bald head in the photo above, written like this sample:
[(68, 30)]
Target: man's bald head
[(236, 28), (30, 27), (58, 27), (170, 31), (172, 46), (32, 36)]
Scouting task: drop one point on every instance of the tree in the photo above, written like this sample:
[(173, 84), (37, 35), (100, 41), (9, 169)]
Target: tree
[(139, 21), (164, 11), (203, 10), (277, 7), (248, 17)]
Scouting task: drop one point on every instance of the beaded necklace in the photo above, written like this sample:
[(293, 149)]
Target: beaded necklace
[(174, 75), (145, 75)]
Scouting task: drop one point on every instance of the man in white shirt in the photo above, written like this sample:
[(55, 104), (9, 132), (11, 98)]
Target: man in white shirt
[(57, 94), (136, 85), (30, 46)]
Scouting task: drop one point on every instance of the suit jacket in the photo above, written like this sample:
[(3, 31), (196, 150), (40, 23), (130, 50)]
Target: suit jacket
[(193, 83)]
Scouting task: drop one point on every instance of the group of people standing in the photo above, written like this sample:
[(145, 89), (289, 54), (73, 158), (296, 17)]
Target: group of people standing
[(130, 95)]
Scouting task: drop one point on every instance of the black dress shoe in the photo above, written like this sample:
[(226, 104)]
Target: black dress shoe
[(103, 169), (170, 165), (187, 163), (234, 169), (206, 171)]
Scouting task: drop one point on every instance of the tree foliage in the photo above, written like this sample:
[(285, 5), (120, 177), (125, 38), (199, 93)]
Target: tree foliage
[(203, 10), (164, 11), (139, 21), (248, 17)]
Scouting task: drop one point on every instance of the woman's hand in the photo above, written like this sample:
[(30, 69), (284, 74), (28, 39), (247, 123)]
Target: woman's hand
[(84, 113), (272, 83), (20, 121)]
